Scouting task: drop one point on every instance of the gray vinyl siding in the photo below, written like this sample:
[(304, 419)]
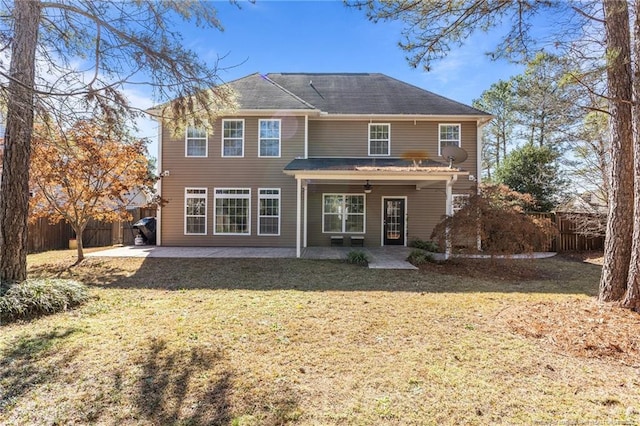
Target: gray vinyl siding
[(217, 172), (425, 208), (351, 138)]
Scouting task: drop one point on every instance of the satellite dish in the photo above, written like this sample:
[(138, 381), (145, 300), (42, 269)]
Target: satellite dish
[(454, 154)]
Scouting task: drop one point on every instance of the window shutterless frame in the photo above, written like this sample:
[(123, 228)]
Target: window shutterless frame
[(379, 139), (449, 134), (232, 145), (269, 211), (458, 202), (269, 138), (196, 142), (195, 211), (232, 211), (344, 213)]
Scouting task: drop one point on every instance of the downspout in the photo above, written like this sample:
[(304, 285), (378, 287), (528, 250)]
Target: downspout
[(306, 137)]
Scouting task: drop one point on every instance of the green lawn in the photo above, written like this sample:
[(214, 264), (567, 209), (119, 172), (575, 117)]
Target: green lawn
[(282, 341)]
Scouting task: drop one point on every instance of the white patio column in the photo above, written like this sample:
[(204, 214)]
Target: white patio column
[(305, 188), (298, 215)]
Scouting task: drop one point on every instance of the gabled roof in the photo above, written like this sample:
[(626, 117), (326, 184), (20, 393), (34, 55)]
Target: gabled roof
[(344, 93)]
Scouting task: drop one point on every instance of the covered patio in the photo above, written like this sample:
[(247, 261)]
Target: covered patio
[(365, 174)]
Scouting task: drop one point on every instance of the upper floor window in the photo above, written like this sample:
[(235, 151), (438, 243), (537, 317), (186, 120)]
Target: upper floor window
[(449, 136), (233, 138), (379, 139), (269, 140), (196, 141)]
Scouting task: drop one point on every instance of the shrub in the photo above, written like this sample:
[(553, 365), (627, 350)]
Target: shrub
[(357, 257), (418, 257), (37, 297), (497, 215), (431, 246)]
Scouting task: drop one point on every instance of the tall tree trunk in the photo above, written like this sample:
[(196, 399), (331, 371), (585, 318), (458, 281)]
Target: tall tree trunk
[(632, 296), (617, 250), (14, 202), (504, 146)]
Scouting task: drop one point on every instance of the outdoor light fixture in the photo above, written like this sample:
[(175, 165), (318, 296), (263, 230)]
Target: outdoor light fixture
[(367, 187)]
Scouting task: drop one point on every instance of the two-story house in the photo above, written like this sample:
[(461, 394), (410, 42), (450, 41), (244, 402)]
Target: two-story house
[(316, 160)]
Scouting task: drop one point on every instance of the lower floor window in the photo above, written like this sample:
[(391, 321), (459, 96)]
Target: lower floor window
[(269, 211), (458, 202), (343, 213), (232, 211), (195, 218)]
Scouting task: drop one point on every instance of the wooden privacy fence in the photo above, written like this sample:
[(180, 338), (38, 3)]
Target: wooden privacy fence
[(43, 236), (568, 239)]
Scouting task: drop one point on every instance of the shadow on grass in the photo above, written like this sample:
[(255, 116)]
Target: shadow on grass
[(193, 386), (555, 275), (31, 361), (163, 391)]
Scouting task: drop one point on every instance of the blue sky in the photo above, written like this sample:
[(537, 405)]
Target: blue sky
[(326, 36)]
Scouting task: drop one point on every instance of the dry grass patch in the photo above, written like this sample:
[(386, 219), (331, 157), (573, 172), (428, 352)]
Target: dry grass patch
[(276, 341), (581, 327)]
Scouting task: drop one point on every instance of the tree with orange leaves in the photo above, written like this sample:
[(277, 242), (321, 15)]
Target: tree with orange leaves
[(86, 172)]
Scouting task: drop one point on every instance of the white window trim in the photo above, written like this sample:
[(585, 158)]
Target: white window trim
[(186, 143), (215, 216), (459, 196), (364, 214), (279, 138), (206, 208), (265, 197), (440, 140), (222, 138), (388, 141)]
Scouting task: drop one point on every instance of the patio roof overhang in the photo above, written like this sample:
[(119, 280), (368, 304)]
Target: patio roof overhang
[(374, 169)]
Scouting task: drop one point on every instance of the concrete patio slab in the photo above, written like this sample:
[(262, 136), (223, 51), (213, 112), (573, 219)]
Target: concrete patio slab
[(196, 252), (379, 258)]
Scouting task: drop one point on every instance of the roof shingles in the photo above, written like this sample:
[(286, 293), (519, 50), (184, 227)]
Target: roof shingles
[(256, 92), (340, 93)]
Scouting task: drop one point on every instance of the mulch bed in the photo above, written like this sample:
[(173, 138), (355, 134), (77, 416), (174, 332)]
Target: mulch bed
[(582, 327)]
